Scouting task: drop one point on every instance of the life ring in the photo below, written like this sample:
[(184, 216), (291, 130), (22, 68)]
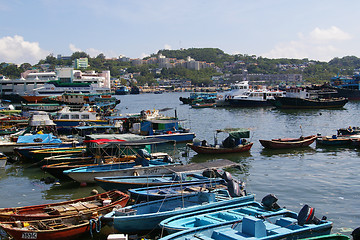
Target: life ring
[(148, 112)]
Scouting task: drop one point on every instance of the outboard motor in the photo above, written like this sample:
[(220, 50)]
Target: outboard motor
[(356, 234), (235, 188), (307, 216), (269, 202), (227, 176)]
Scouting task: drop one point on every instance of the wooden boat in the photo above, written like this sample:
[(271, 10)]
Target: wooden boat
[(129, 182), (281, 143), (334, 141), (146, 167), (150, 214), (174, 190), (234, 143), (40, 154), (203, 105), (70, 227), (85, 206), (218, 215), (57, 169), (285, 225)]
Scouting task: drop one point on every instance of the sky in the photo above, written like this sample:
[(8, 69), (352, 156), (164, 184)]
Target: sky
[(314, 29)]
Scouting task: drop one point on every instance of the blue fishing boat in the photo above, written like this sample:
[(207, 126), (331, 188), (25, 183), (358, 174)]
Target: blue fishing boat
[(220, 215), (174, 190), (129, 182), (284, 225), (168, 129), (142, 167), (150, 214)]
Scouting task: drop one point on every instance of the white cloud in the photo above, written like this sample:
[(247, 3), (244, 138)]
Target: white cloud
[(73, 48), (17, 50), (167, 47), (319, 44), (143, 55), (333, 33)]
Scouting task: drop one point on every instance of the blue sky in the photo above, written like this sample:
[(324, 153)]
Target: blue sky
[(314, 29)]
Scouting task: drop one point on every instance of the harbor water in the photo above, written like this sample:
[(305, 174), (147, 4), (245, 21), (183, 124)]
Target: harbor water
[(325, 178)]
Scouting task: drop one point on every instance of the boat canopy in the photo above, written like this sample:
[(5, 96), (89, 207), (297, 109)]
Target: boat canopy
[(236, 132)]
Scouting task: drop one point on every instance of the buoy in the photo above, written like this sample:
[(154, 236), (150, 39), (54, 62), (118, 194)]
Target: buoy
[(83, 184), (94, 192)]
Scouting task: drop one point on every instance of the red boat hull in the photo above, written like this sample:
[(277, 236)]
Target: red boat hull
[(64, 234), (45, 211), (285, 143)]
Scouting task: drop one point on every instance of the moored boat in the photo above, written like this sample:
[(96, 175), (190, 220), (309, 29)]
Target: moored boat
[(285, 225), (174, 190), (203, 105), (146, 167), (100, 203), (3, 160), (234, 213), (234, 143), (302, 98), (69, 227), (129, 182), (150, 214), (281, 143)]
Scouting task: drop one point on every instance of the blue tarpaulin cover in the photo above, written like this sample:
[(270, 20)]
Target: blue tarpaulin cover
[(40, 138)]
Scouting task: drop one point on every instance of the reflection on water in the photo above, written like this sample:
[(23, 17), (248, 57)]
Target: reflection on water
[(287, 152)]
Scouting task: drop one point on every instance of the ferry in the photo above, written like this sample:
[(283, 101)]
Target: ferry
[(33, 87), (236, 89), (254, 98)]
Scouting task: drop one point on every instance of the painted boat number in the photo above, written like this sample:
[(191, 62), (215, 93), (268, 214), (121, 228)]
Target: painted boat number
[(29, 235)]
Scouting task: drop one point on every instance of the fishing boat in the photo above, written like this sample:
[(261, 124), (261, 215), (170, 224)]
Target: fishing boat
[(203, 105), (204, 97), (41, 154), (65, 119), (334, 141), (29, 140), (234, 143), (347, 87), (57, 169), (63, 228), (150, 214), (235, 213), (302, 98), (143, 167), (3, 160), (130, 182), (281, 143), (284, 225), (25, 153), (101, 203), (174, 190), (121, 90)]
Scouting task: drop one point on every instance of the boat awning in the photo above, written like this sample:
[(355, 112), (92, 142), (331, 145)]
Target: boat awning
[(236, 132), (143, 142)]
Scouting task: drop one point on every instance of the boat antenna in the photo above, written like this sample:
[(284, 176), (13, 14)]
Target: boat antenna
[(301, 131)]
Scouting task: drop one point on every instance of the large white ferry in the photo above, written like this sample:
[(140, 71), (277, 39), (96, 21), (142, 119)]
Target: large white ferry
[(33, 87)]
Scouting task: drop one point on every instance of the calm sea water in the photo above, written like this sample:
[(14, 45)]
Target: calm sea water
[(324, 178)]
